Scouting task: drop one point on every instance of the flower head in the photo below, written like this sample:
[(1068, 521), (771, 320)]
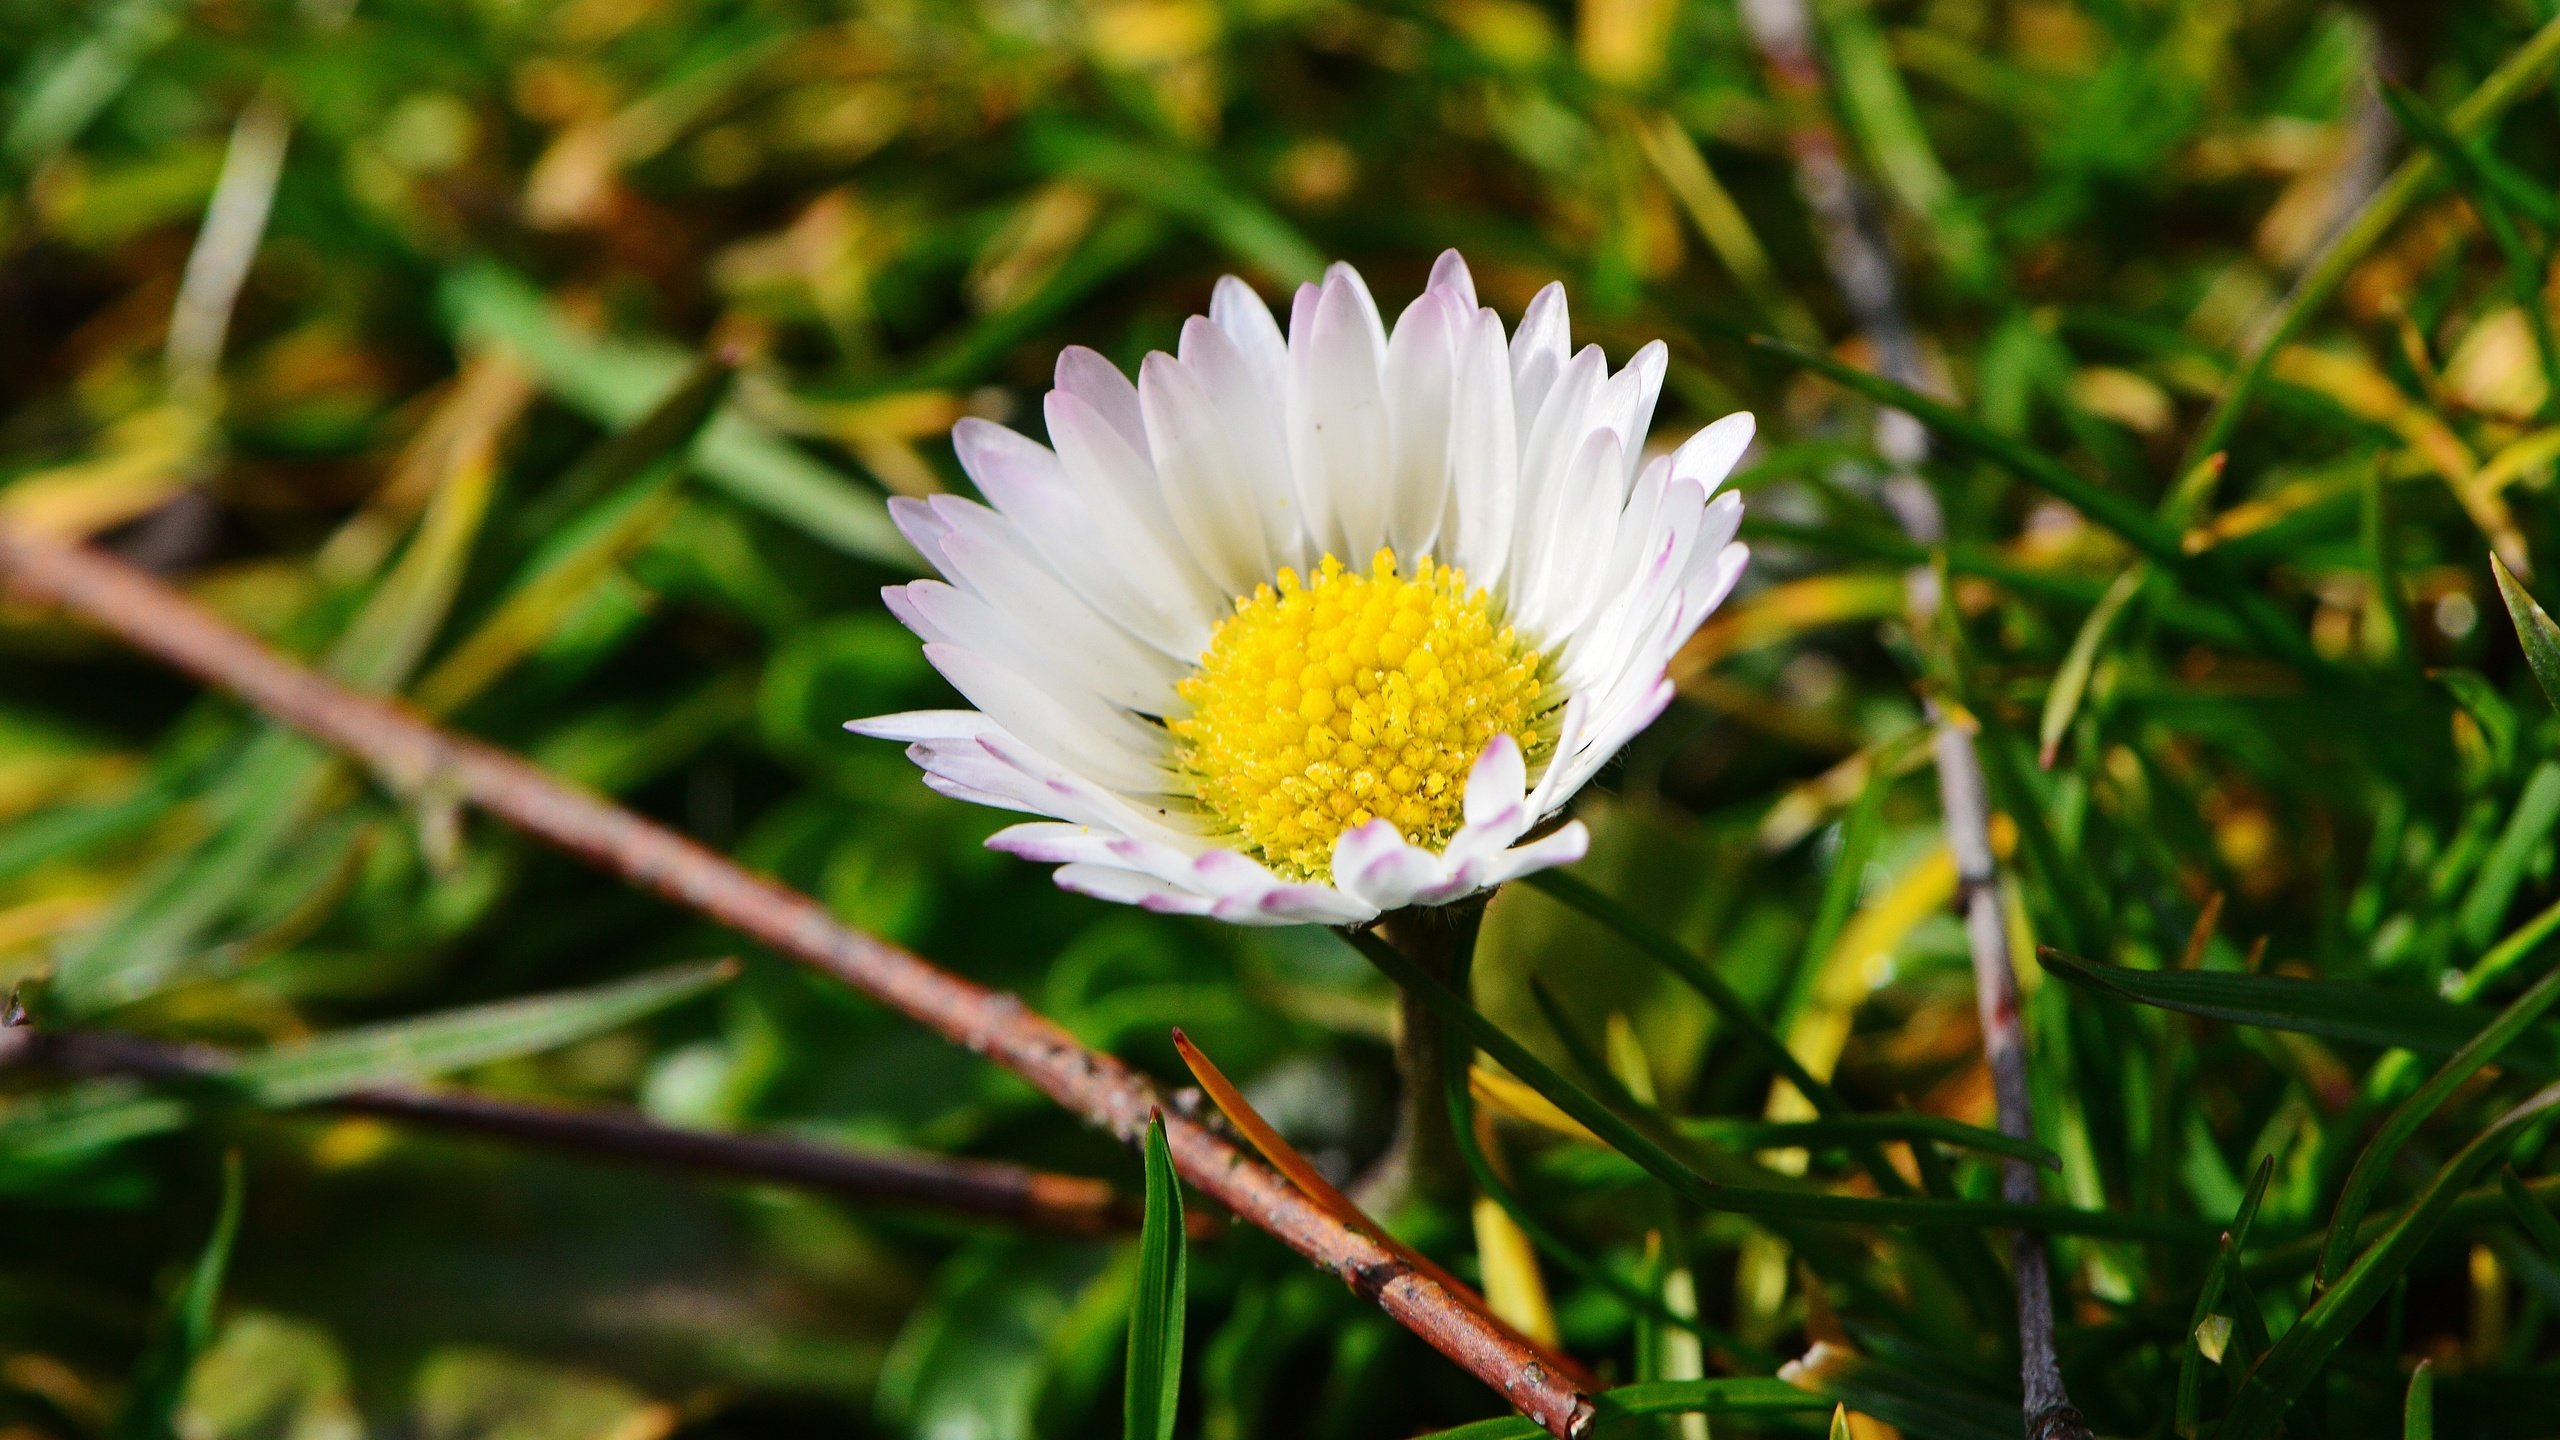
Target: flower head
[(1314, 625)]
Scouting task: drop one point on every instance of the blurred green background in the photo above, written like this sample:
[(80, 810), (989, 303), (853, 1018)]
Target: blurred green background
[(345, 315)]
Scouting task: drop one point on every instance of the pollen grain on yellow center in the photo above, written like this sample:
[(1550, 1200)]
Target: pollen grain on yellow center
[(1330, 700)]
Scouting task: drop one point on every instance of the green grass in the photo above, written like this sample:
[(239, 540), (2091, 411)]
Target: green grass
[(583, 346)]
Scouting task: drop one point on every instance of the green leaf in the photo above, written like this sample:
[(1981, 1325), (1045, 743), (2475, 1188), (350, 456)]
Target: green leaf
[(160, 1381), (2533, 625), (1730, 1395), (2338, 1009), (2481, 701), (410, 1050), (2295, 1360), (1866, 1129), (1577, 1258), (156, 935), (1155, 1310), (2349, 243), (2071, 680), (1184, 186), (2104, 508), (2529, 824), (2234, 1242), (2492, 1038), (1694, 972), (616, 382), (64, 1125), (660, 436), (1808, 1204), (2529, 1212), (2418, 1412)]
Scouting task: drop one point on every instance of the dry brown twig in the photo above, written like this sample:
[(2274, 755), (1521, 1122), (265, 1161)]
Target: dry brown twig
[(1862, 266), (413, 757)]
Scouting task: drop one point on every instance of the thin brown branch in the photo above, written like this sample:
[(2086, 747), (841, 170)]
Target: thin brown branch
[(1862, 266), (984, 1189), (413, 757)]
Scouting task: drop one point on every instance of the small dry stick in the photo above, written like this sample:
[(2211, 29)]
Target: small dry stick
[(1862, 266), (413, 757), (984, 1189)]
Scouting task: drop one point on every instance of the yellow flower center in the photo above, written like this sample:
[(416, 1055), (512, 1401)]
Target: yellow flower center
[(1326, 702)]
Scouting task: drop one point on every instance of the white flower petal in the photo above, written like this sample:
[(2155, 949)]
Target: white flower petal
[(1567, 844), (1484, 455), (1449, 273), (1106, 745), (1097, 382), (1250, 402), (1538, 351), (1374, 864), (1197, 466), (1499, 779), (1339, 441), (1710, 455), (1073, 536), (1128, 887), (1421, 377)]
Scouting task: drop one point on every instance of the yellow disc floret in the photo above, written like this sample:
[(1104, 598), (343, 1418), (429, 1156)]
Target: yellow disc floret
[(1329, 701)]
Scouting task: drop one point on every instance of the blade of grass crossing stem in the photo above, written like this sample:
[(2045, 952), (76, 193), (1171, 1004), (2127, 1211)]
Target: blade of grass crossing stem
[(268, 794), (2217, 1277), (160, 1381), (2418, 1412), (1696, 974), (2295, 1360), (98, 1113), (460, 1039), (2534, 627), (1154, 1390), (1573, 1257), (1852, 1129), (2529, 1212), (2503, 87), (1730, 1395), (1625, 1137), (2375, 1162), (2104, 508), (2337, 1009)]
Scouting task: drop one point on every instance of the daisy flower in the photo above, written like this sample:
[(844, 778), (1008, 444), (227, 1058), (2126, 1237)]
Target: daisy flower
[(1309, 626)]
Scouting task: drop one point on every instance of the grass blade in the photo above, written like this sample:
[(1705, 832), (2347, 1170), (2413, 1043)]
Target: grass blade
[(2296, 1359), (2216, 1279), (2529, 1212), (2336, 1009), (616, 383), (160, 1381), (2418, 1412), (1728, 1395), (438, 1044), (1154, 1388), (1629, 1140), (2534, 628), (2350, 243), (2375, 1162)]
